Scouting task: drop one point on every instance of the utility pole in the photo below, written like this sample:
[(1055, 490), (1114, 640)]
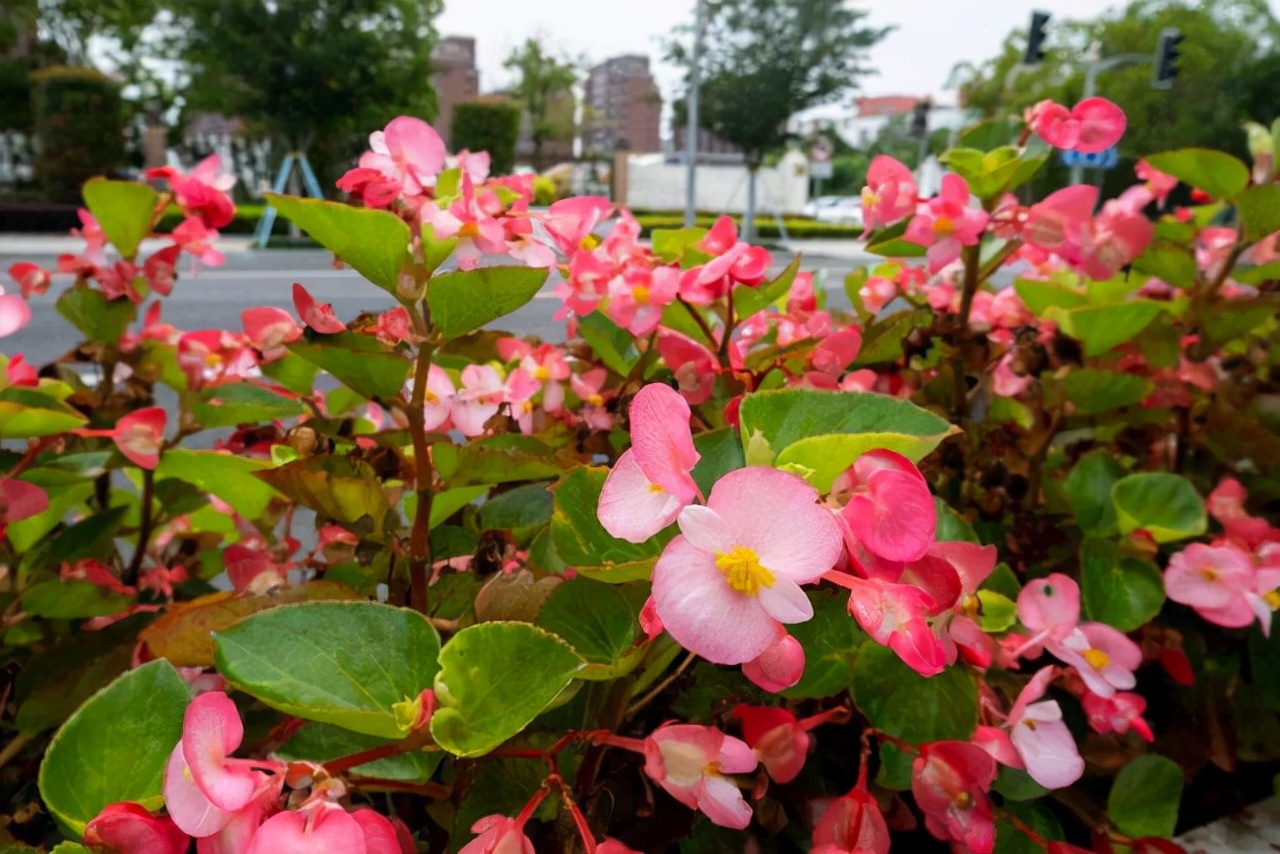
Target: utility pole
[(691, 117)]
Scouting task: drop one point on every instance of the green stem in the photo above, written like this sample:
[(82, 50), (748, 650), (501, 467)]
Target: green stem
[(663, 685), (700, 320), (972, 266), (144, 528), (1004, 254)]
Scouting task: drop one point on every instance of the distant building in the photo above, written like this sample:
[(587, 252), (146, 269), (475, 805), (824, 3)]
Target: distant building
[(561, 107), (708, 144), (624, 109), (861, 120), (455, 79)]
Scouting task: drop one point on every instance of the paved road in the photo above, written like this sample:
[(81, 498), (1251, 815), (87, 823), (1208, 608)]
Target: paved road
[(214, 298)]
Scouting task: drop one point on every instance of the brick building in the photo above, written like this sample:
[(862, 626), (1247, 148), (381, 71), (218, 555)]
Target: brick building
[(624, 107), (455, 79)]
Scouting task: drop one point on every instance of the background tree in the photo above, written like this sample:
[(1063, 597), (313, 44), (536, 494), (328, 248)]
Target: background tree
[(544, 87), (764, 60), (309, 72)]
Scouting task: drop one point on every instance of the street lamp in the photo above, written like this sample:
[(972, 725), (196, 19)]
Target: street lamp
[(691, 117)]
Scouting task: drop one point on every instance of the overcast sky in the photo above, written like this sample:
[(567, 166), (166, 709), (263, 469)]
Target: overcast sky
[(915, 59)]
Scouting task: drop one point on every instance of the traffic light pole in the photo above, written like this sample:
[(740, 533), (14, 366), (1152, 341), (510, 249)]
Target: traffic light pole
[(1091, 71)]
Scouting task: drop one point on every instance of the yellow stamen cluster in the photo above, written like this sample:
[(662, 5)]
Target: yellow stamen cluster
[(743, 571)]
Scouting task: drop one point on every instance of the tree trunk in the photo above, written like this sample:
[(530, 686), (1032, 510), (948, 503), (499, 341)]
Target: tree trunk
[(749, 218)]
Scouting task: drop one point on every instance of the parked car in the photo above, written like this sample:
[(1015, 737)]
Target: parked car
[(846, 210), (814, 205)]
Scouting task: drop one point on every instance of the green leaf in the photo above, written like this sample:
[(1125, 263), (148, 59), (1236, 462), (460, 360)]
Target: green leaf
[(340, 488), (91, 537), (227, 476), (373, 243), (1103, 327), (503, 458), (614, 345), (26, 414), (831, 641), (1124, 593), (748, 301), (1225, 320), (1217, 173), (826, 431), (1094, 391), (72, 600), (115, 747), (721, 453), (124, 210), (600, 621), (1088, 491), (329, 661), (1144, 797), (1014, 840), (465, 300), (1168, 261), (241, 403), (359, 362), (583, 543), (522, 511), (951, 525), (494, 679), (444, 504), (889, 242), (998, 612), (905, 704), (101, 320), (1042, 296), (882, 339), (293, 372), (671, 244), (317, 742), (1259, 274), (1165, 505), (1259, 209)]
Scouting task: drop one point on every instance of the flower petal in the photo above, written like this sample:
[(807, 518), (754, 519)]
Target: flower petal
[(629, 508)]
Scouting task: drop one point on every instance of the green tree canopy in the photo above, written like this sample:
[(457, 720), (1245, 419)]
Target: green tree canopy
[(544, 83)]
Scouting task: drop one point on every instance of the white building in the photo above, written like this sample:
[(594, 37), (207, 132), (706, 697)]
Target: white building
[(859, 122)]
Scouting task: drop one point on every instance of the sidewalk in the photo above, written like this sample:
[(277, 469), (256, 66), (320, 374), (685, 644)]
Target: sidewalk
[(57, 244), (854, 251)]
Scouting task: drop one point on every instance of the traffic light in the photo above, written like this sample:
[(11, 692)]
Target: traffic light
[(1035, 38), (920, 119), (1168, 51)]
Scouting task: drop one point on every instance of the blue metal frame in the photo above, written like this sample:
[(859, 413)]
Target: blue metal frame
[(309, 183)]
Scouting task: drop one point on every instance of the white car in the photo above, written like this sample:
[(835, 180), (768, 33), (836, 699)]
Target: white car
[(844, 210)]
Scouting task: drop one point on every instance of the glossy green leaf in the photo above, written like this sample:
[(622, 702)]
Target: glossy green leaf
[(1145, 795), (316, 742), (101, 320), (1168, 261), (1259, 209), (447, 502), (600, 621), (1224, 320), (90, 537), (1165, 505), (26, 414), (613, 345), (114, 748), (1088, 491), (359, 362), (671, 244), (583, 543), (241, 403), (998, 612), (1042, 296), (339, 488), (721, 453), (373, 243), (951, 525), (1124, 593), (748, 301), (882, 339), (1103, 327), (465, 300), (504, 458), (1093, 391), (890, 243), (905, 704), (72, 600), (1217, 173), (227, 476), (826, 431), (24, 535), (494, 679), (522, 511), (124, 209), (329, 661), (831, 641), (1259, 274)]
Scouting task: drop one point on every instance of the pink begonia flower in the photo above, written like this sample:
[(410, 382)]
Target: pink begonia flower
[(1159, 184), (569, 221), (890, 509), (31, 278), (896, 616), (1098, 247), (482, 393), (160, 269), (383, 835), (1005, 383), (20, 500), (437, 400), (15, 313), (1224, 585), (203, 192), (408, 151), (946, 223), (959, 633), (890, 194), (318, 315), (204, 788), (876, 293), (1043, 743), (374, 189), (694, 366), (94, 254), (1226, 505), (19, 373), (1091, 126), (393, 326), (477, 164), (127, 828), (235, 835), (324, 829), (1120, 713), (734, 573), (585, 286), (589, 387), (836, 351), (269, 329), (545, 364), (1103, 657), (498, 835), (801, 297), (690, 761), (139, 435), (252, 570), (950, 781), (471, 218), (613, 846), (780, 666), (778, 739), (520, 390), (739, 262), (196, 239), (650, 483), (852, 823), (636, 302), (95, 572)]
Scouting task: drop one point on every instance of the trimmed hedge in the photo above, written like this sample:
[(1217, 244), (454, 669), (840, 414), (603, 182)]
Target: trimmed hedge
[(491, 127), (79, 122)]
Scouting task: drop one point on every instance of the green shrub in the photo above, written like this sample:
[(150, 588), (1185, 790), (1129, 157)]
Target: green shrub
[(15, 106), (491, 127), (79, 124)]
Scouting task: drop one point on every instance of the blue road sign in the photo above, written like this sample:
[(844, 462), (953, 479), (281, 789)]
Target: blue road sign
[(1108, 159)]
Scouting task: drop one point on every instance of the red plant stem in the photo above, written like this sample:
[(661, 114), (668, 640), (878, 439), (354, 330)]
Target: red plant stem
[(130, 575), (535, 801), (429, 790), (843, 579), (701, 321), (346, 763), (579, 820), (839, 714), (419, 536), (33, 450)]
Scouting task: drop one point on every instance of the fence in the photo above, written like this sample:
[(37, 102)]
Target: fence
[(651, 183)]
